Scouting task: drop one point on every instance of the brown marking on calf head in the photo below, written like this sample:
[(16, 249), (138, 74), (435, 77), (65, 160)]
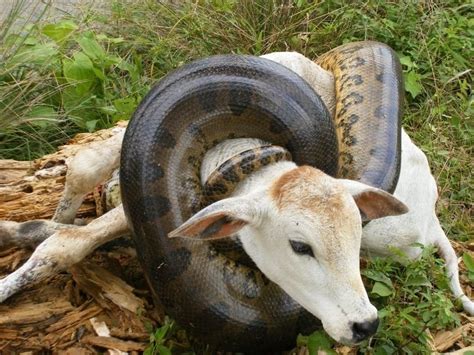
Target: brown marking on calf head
[(308, 188)]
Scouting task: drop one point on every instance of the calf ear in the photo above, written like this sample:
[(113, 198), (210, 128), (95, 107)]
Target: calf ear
[(220, 220), (374, 203)]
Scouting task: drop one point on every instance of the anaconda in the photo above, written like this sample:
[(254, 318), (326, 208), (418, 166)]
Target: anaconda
[(231, 305)]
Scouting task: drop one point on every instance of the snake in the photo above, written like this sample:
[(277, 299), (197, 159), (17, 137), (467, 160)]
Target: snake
[(216, 298)]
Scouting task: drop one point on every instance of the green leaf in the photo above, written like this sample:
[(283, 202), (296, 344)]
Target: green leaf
[(163, 350), (79, 72), (413, 84), (378, 276), (59, 31), (382, 289), (468, 261), (90, 125), (124, 108), (384, 313), (406, 61), (161, 332), (40, 54), (300, 3), (91, 47), (319, 340), (42, 116), (301, 340), (418, 280)]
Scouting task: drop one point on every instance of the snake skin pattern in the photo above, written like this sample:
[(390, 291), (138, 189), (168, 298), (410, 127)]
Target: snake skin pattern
[(369, 104), (225, 178), (229, 304)]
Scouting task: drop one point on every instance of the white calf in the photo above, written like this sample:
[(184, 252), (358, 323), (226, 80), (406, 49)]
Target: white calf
[(283, 213)]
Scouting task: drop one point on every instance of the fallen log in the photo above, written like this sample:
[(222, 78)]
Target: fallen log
[(31, 189)]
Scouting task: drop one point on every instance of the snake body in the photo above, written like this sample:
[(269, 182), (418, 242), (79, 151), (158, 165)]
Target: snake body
[(225, 303)]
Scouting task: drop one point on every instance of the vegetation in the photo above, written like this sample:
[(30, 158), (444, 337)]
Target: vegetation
[(83, 74)]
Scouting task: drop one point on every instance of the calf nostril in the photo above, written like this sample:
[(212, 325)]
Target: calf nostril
[(363, 330)]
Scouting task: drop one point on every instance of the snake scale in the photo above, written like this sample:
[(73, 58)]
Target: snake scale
[(223, 302)]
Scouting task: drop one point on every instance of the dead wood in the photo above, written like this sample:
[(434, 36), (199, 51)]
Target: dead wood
[(31, 190), (113, 343), (445, 340), (100, 284)]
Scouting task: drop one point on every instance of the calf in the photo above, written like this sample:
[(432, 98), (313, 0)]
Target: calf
[(301, 227)]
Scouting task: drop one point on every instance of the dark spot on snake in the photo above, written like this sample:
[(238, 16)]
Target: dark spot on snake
[(180, 259), (265, 160), (165, 139), (357, 62), (353, 98), (346, 158), (155, 173), (357, 79), (198, 204), (193, 161), (197, 133), (158, 205), (347, 138), (239, 100), (276, 127), (350, 140), (230, 174), (350, 50), (216, 188), (208, 101), (351, 80), (247, 165), (31, 227), (247, 156), (380, 77), (379, 112), (372, 151), (353, 119), (216, 315)]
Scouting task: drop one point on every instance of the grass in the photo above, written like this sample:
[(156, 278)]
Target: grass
[(57, 79)]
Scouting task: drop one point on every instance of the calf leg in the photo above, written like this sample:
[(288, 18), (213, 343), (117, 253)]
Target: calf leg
[(448, 254), (28, 234), (89, 167), (67, 246)]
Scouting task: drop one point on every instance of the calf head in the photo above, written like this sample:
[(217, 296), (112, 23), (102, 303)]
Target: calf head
[(304, 231)]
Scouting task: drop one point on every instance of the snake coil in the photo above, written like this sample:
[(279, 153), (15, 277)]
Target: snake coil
[(191, 110)]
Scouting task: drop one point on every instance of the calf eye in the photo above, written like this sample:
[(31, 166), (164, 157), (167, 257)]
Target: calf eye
[(301, 248)]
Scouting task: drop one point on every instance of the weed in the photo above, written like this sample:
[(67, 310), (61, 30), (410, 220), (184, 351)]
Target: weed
[(411, 297)]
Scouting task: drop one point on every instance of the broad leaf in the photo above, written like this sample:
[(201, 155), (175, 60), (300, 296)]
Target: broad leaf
[(59, 31), (413, 84), (382, 289)]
